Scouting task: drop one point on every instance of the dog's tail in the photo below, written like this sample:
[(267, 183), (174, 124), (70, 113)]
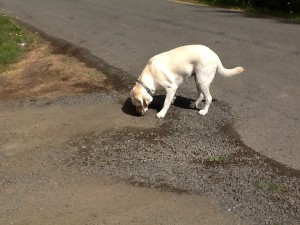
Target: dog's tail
[(228, 72)]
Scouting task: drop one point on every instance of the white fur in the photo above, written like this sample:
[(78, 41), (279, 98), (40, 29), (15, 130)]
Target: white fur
[(168, 71)]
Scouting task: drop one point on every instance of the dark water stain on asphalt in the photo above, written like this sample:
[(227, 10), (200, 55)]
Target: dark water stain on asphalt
[(249, 153)]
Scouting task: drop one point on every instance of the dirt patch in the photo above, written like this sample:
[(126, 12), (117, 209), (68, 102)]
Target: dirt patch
[(41, 74)]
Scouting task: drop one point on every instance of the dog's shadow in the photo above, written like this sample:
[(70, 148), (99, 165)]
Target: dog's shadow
[(157, 104)]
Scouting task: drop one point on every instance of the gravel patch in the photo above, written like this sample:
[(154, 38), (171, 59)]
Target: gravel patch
[(190, 153)]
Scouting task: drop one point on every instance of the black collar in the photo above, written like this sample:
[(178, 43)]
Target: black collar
[(147, 89)]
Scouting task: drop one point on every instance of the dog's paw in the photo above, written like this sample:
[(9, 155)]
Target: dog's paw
[(202, 112), (160, 115)]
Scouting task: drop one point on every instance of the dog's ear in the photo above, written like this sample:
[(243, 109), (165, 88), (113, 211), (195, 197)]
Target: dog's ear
[(145, 104), (141, 100), (147, 101)]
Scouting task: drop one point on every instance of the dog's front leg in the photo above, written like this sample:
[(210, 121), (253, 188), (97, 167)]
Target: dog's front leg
[(168, 100), (173, 100)]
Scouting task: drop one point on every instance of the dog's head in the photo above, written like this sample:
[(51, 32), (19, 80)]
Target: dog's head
[(140, 99)]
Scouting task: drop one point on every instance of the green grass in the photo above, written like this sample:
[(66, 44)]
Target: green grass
[(219, 158), (12, 37), (271, 186)]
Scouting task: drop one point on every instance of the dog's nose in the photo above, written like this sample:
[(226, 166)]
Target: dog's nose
[(140, 112)]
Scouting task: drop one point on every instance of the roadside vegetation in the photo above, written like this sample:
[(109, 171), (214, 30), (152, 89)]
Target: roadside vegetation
[(279, 8), (31, 68), (13, 40)]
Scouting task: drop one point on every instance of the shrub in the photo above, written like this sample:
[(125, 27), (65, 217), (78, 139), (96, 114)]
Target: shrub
[(277, 6)]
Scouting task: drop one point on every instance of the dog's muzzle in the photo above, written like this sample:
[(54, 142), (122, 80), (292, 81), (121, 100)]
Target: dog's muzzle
[(141, 111)]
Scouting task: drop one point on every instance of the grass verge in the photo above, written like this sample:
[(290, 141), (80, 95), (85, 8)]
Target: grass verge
[(13, 40), (32, 68)]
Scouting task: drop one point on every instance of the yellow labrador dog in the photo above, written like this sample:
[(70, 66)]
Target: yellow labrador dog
[(169, 69)]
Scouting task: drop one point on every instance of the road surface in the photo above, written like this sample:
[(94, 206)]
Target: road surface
[(265, 99), (261, 103)]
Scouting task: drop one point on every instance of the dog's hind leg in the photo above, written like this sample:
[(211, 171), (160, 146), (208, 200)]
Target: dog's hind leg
[(204, 77), (196, 104), (208, 99), (200, 95)]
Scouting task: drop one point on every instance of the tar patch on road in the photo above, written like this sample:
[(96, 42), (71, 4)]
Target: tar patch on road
[(194, 154)]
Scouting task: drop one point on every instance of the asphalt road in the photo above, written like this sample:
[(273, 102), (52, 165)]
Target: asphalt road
[(264, 99)]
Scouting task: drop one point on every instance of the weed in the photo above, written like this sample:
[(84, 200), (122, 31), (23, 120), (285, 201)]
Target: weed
[(217, 159), (270, 186)]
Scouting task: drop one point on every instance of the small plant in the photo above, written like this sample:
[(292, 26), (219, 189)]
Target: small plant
[(217, 159), (270, 186)]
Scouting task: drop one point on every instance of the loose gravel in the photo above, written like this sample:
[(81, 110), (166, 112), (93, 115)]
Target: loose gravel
[(190, 153)]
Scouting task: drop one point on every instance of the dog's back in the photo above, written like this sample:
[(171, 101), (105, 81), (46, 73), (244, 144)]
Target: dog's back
[(193, 56)]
